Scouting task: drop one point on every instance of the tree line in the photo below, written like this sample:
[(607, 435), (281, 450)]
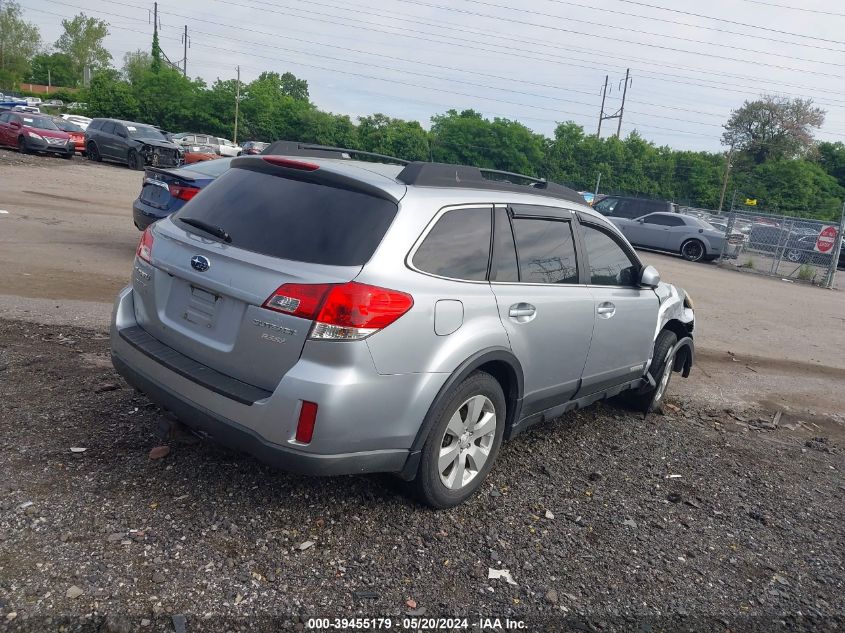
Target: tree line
[(769, 141)]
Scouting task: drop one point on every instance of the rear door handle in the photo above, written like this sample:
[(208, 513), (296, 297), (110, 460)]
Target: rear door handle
[(606, 310), (522, 312)]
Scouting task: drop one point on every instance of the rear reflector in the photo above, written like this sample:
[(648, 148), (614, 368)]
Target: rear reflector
[(145, 245), (183, 192), (291, 164), (307, 419), (344, 312)]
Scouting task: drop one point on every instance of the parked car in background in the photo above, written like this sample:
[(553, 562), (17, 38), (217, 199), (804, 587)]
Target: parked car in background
[(164, 191), (27, 108), (77, 105), (222, 146), (339, 316), (33, 101), (133, 144), (77, 119), (34, 133), (630, 208), (694, 239), (199, 153), (77, 134), (250, 148)]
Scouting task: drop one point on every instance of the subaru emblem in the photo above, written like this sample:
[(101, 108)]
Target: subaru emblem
[(200, 263)]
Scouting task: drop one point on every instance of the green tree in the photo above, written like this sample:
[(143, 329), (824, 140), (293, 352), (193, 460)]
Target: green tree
[(135, 64), (55, 69), (773, 127), (294, 87), (19, 41), (166, 98), (110, 96), (394, 137), (155, 64), (468, 138), (82, 41), (795, 187)]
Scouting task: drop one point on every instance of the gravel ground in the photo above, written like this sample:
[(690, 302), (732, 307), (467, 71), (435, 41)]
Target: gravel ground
[(699, 519)]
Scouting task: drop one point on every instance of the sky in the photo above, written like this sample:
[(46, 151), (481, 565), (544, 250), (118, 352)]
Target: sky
[(540, 62)]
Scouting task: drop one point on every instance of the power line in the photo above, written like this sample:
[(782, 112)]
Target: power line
[(751, 26), (309, 14), (783, 6), (699, 26), (634, 42), (633, 30)]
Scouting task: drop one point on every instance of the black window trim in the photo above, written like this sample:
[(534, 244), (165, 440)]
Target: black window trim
[(409, 258), (585, 221)]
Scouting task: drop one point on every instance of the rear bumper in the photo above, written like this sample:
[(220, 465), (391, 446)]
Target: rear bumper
[(230, 433), (366, 421), (143, 215)]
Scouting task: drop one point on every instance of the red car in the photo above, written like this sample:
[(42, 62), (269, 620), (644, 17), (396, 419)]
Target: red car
[(34, 133), (199, 153), (77, 134)]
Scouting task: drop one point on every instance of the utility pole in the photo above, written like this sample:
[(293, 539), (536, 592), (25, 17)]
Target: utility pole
[(237, 104), (622, 107), (185, 52), (598, 181), (155, 18), (725, 181), (49, 80), (601, 114), (620, 111)]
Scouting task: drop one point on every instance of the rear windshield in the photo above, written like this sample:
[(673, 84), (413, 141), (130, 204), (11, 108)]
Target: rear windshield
[(289, 219)]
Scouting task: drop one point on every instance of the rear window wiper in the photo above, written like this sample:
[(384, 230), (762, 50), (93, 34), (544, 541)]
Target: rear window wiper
[(208, 228)]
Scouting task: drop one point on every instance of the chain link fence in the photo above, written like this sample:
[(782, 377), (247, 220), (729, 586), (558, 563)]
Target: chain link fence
[(783, 246)]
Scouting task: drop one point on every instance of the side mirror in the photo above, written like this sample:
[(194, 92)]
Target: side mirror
[(649, 277), (640, 220)]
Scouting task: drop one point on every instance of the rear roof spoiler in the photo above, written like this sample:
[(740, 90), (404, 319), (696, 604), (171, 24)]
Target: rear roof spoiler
[(169, 172), (317, 176)]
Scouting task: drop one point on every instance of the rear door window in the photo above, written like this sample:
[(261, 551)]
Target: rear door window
[(107, 127), (458, 246), (546, 251), (291, 219)]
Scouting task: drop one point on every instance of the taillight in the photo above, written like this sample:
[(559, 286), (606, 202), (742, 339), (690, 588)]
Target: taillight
[(145, 245), (305, 424), (183, 192), (345, 312)]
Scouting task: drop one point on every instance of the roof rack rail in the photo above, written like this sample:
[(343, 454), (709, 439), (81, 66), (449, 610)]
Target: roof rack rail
[(445, 175), (293, 148)]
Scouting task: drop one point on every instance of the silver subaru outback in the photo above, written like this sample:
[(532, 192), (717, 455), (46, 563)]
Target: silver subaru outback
[(335, 316)]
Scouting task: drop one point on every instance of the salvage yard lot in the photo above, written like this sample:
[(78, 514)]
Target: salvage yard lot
[(726, 512)]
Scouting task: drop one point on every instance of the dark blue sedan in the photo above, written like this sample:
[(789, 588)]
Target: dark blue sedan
[(165, 191)]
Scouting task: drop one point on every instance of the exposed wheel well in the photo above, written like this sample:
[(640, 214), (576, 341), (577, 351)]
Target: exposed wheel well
[(683, 360), (505, 375)]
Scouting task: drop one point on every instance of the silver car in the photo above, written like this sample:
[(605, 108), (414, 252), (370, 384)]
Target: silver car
[(335, 316), (692, 238)]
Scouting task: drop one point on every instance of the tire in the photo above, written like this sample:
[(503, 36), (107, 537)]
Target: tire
[(661, 370), (93, 152), (133, 161), (23, 148), (468, 403), (693, 250), (794, 255)]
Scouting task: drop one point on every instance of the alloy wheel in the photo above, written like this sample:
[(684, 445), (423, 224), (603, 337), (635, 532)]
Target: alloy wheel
[(467, 442)]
